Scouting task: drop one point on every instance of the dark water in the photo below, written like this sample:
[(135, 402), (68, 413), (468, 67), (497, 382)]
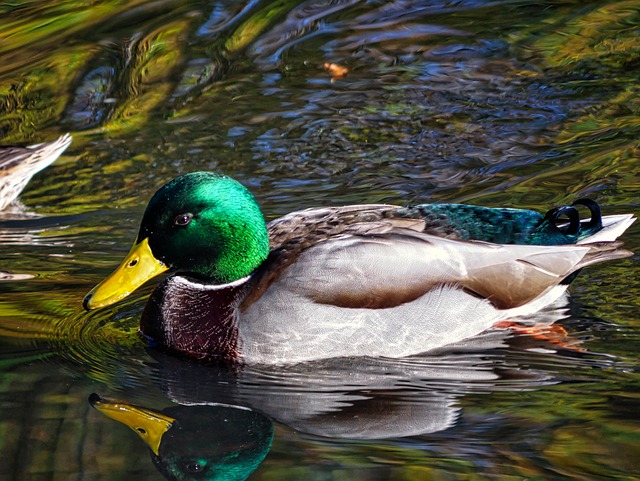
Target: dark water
[(514, 103)]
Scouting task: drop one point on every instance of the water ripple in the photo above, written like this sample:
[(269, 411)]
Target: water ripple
[(107, 349)]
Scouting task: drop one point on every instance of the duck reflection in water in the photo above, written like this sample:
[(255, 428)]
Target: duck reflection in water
[(357, 398), (212, 442), (222, 423)]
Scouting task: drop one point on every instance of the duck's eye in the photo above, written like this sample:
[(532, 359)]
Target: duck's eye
[(194, 467), (182, 219)]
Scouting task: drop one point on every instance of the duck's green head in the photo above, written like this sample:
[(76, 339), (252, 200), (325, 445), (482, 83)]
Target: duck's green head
[(204, 225)]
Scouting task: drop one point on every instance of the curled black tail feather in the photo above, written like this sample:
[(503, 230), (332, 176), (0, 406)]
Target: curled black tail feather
[(562, 224), (571, 228), (594, 224)]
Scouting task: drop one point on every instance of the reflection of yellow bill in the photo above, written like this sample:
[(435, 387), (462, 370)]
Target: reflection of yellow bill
[(147, 424), (138, 267)]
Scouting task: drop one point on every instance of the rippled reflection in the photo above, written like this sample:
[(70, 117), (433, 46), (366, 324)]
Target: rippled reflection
[(213, 441)]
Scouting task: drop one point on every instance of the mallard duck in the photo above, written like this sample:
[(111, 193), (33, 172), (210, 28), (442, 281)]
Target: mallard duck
[(360, 280), (216, 441), (19, 164)]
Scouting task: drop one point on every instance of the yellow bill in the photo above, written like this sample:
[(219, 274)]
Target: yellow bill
[(149, 425), (138, 267)]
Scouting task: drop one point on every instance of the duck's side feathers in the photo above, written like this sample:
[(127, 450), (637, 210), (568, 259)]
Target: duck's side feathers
[(444, 315)]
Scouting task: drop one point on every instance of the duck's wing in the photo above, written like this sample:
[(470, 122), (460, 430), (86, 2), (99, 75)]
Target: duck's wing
[(387, 270), (381, 261), (19, 164)]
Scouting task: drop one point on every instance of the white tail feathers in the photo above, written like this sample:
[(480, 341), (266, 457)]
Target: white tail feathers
[(612, 227)]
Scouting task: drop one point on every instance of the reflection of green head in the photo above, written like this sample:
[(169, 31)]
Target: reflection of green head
[(221, 443), (214, 443)]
